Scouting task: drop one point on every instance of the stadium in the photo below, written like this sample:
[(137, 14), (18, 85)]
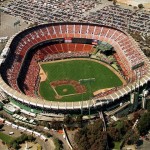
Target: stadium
[(54, 67)]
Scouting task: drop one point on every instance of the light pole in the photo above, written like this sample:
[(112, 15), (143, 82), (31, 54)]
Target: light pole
[(0, 17), (81, 81)]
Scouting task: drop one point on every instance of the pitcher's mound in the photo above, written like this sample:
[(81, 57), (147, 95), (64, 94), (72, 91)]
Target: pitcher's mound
[(65, 90)]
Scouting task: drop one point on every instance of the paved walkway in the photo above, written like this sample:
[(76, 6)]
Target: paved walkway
[(7, 27), (2, 146), (57, 135), (146, 144)]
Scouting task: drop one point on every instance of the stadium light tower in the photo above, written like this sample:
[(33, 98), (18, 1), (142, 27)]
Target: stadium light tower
[(0, 17), (89, 80)]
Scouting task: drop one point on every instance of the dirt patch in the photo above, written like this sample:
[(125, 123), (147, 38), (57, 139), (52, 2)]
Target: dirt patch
[(43, 75), (77, 86), (30, 146), (101, 91), (58, 97)]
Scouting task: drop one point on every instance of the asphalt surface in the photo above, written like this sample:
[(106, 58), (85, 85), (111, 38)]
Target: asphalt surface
[(146, 143)]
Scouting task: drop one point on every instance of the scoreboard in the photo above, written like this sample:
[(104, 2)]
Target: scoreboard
[(56, 41), (67, 40), (84, 41)]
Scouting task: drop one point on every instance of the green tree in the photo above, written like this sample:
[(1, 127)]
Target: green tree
[(56, 125), (136, 116), (118, 129), (120, 126), (143, 125), (31, 138), (148, 105), (131, 137), (114, 134), (68, 120), (91, 137), (23, 137), (79, 120), (114, 2), (15, 145), (140, 6), (58, 144)]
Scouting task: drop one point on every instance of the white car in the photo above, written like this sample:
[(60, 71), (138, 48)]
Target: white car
[(11, 133)]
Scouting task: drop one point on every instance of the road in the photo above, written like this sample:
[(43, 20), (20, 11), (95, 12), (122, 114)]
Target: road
[(48, 145), (146, 144), (57, 135), (2, 146)]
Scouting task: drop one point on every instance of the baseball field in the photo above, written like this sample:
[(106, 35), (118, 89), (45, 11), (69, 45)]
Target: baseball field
[(75, 80)]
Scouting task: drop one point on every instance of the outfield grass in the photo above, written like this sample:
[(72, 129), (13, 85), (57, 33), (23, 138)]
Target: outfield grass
[(76, 70), (6, 138), (117, 145)]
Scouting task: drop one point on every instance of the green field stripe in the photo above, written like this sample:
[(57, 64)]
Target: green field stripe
[(6, 138)]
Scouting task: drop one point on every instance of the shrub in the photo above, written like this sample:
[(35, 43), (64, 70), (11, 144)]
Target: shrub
[(140, 6)]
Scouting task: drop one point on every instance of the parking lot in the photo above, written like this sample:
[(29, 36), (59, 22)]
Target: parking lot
[(7, 130), (146, 143)]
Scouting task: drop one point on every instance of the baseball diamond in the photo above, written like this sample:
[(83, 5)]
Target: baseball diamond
[(70, 72)]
